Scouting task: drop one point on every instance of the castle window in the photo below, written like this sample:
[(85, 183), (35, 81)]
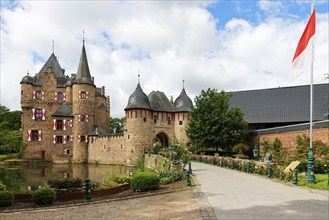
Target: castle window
[(83, 138), (83, 118), (59, 139), (67, 138), (59, 96), (168, 122), (83, 95), (59, 124), (38, 114), (38, 95), (180, 122), (155, 121), (34, 135), (144, 119), (66, 151)]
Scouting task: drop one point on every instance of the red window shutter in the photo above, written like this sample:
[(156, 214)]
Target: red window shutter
[(64, 139), (33, 94), (33, 114), (55, 96), (43, 95), (79, 117), (29, 135), (79, 94), (86, 94), (43, 114), (64, 97), (64, 124), (54, 124), (71, 123), (86, 138), (54, 139), (71, 137), (94, 139), (78, 138), (86, 118), (39, 135)]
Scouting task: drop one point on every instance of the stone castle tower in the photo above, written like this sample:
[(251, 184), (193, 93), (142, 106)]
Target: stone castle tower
[(58, 112)]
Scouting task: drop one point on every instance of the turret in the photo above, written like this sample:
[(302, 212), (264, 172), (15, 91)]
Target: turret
[(182, 106), (26, 91), (83, 98), (138, 127)]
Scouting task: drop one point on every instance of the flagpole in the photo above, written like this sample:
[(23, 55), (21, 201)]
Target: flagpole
[(310, 173)]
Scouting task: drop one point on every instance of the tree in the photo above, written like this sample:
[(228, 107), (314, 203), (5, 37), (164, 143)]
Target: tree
[(214, 124), (116, 125)]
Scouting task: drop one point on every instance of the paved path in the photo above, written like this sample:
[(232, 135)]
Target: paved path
[(238, 195), (177, 205)]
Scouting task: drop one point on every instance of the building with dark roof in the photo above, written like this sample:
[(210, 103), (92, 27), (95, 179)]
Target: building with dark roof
[(268, 108)]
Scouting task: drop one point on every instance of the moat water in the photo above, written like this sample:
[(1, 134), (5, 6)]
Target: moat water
[(25, 177)]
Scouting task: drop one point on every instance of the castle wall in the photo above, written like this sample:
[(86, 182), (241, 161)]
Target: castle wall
[(164, 123), (107, 150), (102, 115)]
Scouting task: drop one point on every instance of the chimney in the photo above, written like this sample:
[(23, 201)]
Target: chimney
[(103, 90)]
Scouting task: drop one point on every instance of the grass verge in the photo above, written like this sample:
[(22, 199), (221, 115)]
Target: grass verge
[(321, 182)]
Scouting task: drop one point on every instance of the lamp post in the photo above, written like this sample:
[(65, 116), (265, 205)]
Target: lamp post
[(310, 173), (255, 152)]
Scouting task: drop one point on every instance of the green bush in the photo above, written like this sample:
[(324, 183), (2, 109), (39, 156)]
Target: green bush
[(172, 175), (2, 186), (65, 183), (120, 179), (6, 198), (164, 180), (144, 181), (44, 196)]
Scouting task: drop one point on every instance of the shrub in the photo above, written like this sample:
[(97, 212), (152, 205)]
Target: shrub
[(6, 198), (144, 181), (241, 148), (65, 183), (2, 186), (140, 163), (164, 180), (172, 175), (156, 148), (44, 196), (120, 179)]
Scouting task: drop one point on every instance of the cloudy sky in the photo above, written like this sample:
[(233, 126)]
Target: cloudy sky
[(227, 45)]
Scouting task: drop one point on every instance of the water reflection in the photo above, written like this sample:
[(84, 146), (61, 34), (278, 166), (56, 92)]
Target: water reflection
[(30, 177)]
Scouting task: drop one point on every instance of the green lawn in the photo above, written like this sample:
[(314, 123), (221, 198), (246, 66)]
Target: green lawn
[(321, 182)]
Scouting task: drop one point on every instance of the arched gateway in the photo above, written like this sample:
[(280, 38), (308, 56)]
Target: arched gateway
[(163, 139)]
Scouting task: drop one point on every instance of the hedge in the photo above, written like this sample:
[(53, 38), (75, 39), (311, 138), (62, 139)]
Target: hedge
[(144, 181)]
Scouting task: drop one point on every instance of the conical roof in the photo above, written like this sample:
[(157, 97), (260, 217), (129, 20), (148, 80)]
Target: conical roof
[(159, 102), (83, 73), (27, 79), (183, 103), (138, 99)]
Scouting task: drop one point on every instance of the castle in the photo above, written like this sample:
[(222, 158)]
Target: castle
[(66, 120)]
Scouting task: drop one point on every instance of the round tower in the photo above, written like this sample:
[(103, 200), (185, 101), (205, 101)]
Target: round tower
[(83, 100), (182, 106), (139, 125)]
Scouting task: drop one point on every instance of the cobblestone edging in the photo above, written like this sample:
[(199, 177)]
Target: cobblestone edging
[(94, 202), (206, 210)]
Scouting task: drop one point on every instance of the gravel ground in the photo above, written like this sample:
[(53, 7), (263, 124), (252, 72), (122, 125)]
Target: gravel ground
[(175, 205)]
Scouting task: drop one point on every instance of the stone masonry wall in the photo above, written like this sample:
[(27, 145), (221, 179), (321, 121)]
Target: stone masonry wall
[(179, 129), (43, 149), (107, 150)]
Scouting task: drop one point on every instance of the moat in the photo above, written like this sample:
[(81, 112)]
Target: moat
[(25, 177)]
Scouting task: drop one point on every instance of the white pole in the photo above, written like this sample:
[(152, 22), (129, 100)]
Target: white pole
[(311, 90)]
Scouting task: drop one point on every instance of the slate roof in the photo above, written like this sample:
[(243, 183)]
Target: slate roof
[(159, 102), (64, 110), (55, 67), (138, 99), (280, 105), (101, 131), (102, 106), (27, 79), (183, 102), (83, 73)]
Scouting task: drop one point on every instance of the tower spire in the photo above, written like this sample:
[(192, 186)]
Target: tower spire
[(83, 37), (53, 46), (183, 83), (138, 76)]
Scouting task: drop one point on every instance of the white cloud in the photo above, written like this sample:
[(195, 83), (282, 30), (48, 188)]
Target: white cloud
[(166, 41)]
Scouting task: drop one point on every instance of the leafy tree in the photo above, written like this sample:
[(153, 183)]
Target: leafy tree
[(214, 124), (116, 125)]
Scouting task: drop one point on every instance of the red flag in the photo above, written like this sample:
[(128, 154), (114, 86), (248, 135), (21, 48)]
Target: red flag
[(307, 35)]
